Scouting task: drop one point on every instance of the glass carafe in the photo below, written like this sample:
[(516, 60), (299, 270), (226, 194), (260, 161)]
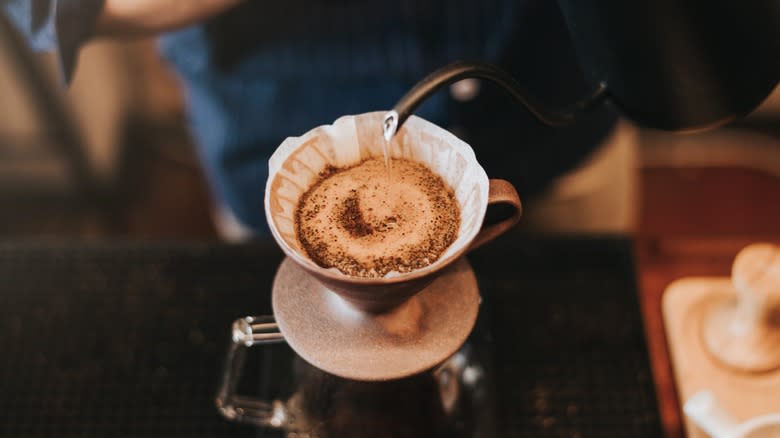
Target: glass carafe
[(451, 400)]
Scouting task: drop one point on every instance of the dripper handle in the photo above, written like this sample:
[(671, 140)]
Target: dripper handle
[(499, 192), (248, 332)]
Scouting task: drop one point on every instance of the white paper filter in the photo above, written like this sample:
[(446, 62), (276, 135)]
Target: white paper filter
[(298, 161)]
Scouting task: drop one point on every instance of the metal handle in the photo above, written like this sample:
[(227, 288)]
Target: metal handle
[(462, 70), (248, 332)]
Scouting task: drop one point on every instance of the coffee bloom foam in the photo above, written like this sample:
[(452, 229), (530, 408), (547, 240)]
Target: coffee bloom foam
[(366, 223)]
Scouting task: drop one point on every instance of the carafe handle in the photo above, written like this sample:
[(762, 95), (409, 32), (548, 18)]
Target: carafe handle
[(248, 332)]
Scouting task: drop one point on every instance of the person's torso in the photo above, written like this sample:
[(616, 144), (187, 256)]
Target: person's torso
[(352, 39)]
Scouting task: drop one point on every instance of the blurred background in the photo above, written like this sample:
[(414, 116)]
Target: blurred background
[(111, 157), (130, 170)]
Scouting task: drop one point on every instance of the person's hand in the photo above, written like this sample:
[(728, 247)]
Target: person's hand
[(150, 17)]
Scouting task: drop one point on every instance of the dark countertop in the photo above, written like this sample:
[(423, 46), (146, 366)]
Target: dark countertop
[(128, 339)]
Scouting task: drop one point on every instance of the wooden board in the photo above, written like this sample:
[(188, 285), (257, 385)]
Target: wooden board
[(685, 302)]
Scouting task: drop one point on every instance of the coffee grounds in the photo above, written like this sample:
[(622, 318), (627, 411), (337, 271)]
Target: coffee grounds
[(353, 220)]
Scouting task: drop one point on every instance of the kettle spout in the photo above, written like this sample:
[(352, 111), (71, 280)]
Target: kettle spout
[(462, 70)]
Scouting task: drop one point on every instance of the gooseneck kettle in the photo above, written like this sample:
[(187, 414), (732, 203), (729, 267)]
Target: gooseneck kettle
[(679, 65)]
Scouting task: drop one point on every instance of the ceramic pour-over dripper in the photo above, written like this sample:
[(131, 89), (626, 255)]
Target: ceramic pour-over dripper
[(390, 327)]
